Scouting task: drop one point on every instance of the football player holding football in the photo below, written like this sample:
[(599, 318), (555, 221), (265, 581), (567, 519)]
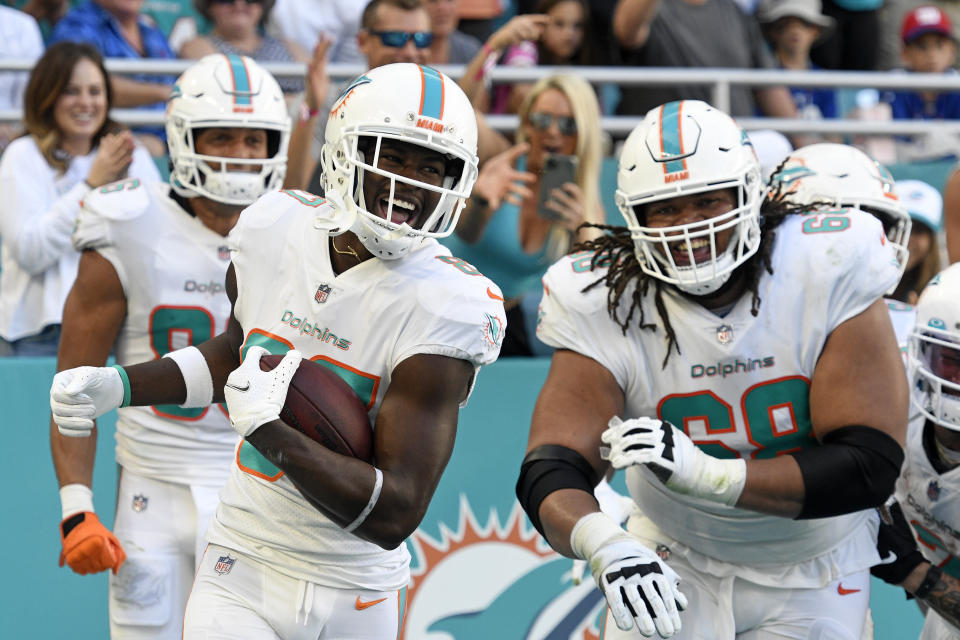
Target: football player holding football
[(738, 361), (307, 542), (151, 281)]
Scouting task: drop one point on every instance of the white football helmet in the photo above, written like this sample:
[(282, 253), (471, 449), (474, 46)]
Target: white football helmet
[(842, 176), (410, 103), (682, 148), (226, 91), (934, 352)]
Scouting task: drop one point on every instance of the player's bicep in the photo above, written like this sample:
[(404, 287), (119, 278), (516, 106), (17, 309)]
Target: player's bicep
[(417, 423), (92, 315), (577, 400), (859, 378)]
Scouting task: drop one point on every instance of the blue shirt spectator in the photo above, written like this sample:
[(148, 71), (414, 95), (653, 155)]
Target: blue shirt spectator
[(92, 22), (910, 105), (820, 101)]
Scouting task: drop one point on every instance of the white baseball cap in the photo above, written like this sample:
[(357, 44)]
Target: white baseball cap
[(923, 202)]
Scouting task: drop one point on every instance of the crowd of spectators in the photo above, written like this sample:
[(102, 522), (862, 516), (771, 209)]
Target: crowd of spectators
[(903, 36)]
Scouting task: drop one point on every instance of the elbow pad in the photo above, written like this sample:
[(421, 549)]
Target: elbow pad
[(855, 468), (549, 468)]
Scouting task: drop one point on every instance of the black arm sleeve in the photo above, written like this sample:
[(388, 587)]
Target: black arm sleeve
[(855, 468), (549, 468)]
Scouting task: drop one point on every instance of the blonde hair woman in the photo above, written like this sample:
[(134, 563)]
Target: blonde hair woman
[(503, 232)]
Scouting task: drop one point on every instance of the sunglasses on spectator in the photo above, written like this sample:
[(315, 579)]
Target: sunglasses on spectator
[(541, 121), (397, 39)]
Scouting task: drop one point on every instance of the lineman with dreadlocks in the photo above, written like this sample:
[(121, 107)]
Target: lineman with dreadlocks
[(150, 281), (307, 542), (739, 363)]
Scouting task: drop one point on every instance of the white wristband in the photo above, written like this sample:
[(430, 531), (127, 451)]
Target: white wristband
[(716, 480), (591, 532), (374, 496), (75, 498), (196, 376)]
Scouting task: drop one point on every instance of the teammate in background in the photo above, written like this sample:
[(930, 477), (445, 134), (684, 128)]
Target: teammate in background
[(688, 317), (150, 281), (298, 524), (839, 176), (927, 493)]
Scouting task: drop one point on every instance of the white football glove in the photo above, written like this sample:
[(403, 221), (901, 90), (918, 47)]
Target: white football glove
[(254, 396), (640, 589), (617, 506), (80, 395), (673, 457)]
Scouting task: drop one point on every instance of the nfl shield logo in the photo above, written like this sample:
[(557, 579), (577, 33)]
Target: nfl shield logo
[(223, 252), (724, 334), (224, 565), (933, 490), (322, 292), (140, 503)]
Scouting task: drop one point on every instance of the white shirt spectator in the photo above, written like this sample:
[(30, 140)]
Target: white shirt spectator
[(19, 39), (39, 207), (302, 21)]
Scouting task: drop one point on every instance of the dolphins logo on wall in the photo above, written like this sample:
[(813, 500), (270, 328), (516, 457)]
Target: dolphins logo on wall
[(480, 582)]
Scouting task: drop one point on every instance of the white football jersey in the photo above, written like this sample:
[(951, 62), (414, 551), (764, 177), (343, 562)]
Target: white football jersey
[(739, 386), (172, 270), (362, 324), (930, 498), (929, 495)]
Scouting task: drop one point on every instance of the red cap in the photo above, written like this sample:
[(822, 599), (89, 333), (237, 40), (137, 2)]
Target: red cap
[(925, 20)]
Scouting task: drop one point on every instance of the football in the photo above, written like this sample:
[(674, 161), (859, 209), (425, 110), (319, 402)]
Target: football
[(322, 406)]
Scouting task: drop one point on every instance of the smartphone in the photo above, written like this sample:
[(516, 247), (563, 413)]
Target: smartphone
[(557, 170)]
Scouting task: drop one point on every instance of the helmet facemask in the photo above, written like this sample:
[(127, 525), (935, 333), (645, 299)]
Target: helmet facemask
[(217, 178), (652, 245), (935, 373)]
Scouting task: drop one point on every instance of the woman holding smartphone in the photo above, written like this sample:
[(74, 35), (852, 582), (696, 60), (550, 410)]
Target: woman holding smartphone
[(529, 201)]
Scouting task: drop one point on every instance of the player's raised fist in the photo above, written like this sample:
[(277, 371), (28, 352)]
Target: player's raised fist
[(88, 546), (79, 396)]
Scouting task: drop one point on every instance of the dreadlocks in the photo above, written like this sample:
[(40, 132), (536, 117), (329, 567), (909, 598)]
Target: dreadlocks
[(614, 250)]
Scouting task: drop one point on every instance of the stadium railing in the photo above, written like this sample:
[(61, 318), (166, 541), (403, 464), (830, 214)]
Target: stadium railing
[(720, 81)]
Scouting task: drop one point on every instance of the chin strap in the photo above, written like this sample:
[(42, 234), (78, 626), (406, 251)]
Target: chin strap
[(336, 219)]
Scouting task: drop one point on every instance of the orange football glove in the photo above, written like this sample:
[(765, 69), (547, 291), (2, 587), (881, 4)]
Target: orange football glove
[(88, 547)]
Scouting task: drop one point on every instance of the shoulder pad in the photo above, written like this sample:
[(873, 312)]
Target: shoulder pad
[(570, 275), (834, 239), (453, 281), (118, 201), (273, 205), (122, 200)]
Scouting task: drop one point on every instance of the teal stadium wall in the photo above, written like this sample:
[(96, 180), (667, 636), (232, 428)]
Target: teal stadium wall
[(478, 571)]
